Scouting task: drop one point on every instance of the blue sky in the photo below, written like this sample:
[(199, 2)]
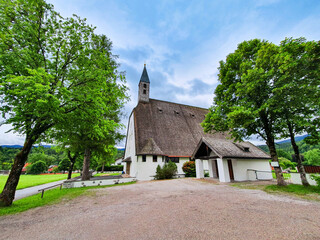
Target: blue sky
[(183, 41)]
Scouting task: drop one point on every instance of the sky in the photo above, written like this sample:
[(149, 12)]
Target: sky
[(183, 41)]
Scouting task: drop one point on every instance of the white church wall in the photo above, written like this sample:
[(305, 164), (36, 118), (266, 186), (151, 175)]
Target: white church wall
[(240, 167), (147, 170), (130, 150)]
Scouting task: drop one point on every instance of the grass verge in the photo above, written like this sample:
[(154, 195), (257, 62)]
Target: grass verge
[(53, 196), (34, 180), (294, 190), (106, 174)]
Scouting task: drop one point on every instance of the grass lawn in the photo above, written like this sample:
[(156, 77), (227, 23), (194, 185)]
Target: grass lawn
[(106, 174), (53, 196), (285, 175), (34, 180), (295, 190)]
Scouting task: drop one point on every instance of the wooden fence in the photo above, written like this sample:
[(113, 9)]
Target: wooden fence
[(312, 169)]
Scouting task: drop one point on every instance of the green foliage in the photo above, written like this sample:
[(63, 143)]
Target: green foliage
[(312, 157), (286, 163), (35, 157), (189, 168), (284, 154), (55, 169), (64, 164), (37, 168), (316, 178), (293, 188), (167, 171)]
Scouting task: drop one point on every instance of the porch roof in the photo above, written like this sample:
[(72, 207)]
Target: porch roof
[(209, 147)]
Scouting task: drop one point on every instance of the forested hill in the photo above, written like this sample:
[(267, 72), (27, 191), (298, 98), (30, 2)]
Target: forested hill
[(284, 149)]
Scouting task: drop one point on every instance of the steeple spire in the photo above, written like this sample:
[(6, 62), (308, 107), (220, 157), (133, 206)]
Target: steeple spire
[(144, 76), (144, 86)]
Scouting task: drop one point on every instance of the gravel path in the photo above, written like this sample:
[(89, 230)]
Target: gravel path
[(173, 209)]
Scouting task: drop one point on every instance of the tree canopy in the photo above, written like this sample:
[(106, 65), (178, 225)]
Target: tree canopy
[(268, 90), (55, 72)]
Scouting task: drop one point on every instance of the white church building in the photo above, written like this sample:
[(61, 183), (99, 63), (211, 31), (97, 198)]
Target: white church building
[(159, 131)]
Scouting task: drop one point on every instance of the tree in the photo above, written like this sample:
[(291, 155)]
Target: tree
[(50, 67), (37, 168), (313, 157), (296, 93), (242, 103), (64, 165)]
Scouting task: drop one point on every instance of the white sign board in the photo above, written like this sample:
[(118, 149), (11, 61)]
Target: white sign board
[(274, 164)]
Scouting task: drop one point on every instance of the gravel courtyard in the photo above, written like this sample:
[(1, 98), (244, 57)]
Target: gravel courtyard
[(173, 209)]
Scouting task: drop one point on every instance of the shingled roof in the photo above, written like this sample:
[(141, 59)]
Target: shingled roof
[(226, 148), (169, 129)]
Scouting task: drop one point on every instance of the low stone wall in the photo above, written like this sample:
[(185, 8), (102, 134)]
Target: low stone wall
[(98, 182), (295, 179)]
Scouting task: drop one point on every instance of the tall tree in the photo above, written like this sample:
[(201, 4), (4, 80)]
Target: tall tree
[(50, 67), (241, 103), (296, 90)]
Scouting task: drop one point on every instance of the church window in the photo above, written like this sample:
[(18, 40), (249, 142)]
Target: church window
[(144, 158), (144, 85), (172, 159), (154, 158), (144, 91)]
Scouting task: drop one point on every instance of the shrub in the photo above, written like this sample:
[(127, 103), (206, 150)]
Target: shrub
[(285, 163), (37, 167), (55, 170), (111, 168), (206, 174), (316, 178), (167, 171), (189, 168)]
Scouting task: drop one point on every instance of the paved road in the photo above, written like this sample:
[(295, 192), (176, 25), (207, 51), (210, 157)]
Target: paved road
[(22, 193), (174, 209)]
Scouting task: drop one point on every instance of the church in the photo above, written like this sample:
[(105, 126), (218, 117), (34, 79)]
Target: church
[(159, 131)]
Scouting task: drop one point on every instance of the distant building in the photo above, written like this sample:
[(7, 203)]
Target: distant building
[(159, 131)]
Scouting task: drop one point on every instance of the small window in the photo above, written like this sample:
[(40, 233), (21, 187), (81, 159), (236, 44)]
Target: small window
[(176, 112), (172, 159), (160, 110), (144, 91), (162, 158), (144, 85), (192, 115), (246, 149), (144, 158), (154, 158)]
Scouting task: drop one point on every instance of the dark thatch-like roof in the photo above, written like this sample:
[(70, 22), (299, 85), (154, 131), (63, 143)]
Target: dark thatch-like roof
[(224, 148), (170, 129)]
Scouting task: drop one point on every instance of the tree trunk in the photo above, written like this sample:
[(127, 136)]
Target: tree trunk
[(8, 193), (297, 156), (102, 169), (274, 157), (72, 162), (86, 165)]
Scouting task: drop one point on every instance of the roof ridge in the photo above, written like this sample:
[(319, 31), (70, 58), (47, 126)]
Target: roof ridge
[(179, 104)]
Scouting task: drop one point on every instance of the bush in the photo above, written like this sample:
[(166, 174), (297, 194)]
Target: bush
[(55, 170), (168, 171), (111, 168), (316, 178), (206, 174), (37, 167), (189, 168), (285, 163)]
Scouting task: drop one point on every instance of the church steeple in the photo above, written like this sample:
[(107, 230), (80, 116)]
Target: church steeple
[(144, 86)]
